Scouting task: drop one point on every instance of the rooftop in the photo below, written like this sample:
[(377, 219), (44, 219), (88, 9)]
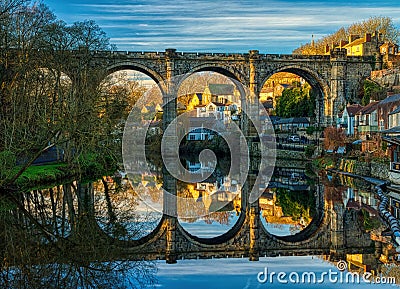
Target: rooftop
[(353, 109), (392, 98), (293, 120), (370, 107), (221, 89)]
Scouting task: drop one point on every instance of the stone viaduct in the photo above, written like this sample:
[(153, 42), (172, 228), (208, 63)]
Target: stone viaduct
[(336, 78)]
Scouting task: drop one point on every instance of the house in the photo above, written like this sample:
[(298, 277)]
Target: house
[(392, 137), (292, 123), (195, 100), (390, 53), (346, 119), (200, 128), (394, 118), (368, 45), (222, 93), (266, 94), (220, 111), (366, 120), (385, 107)]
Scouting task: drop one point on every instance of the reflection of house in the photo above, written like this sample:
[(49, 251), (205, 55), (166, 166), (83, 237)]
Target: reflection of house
[(151, 109), (360, 261), (193, 166), (154, 128), (226, 184), (347, 118), (267, 205), (221, 201), (200, 133)]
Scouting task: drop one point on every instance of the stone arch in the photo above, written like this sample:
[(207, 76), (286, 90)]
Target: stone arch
[(227, 71), (236, 229), (317, 82), (154, 75), (312, 233)]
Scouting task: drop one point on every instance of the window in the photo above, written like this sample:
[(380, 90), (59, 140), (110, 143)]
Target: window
[(192, 137)]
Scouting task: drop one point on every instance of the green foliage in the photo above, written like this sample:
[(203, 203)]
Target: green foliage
[(94, 165), (296, 102), (43, 174), (296, 204), (384, 146), (310, 130), (323, 163), (7, 162), (370, 223), (372, 91), (309, 150), (6, 206)]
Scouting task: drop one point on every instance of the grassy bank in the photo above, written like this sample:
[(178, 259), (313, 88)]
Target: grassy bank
[(88, 168)]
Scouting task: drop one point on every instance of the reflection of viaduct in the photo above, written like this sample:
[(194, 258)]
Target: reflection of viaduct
[(334, 230), (335, 78)]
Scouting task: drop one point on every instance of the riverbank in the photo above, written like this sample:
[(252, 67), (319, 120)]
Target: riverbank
[(46, 175), (372, 169)]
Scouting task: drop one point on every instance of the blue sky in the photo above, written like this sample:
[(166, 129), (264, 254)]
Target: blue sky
[(277, 26)]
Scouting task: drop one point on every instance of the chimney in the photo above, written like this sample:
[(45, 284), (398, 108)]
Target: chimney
[(327, 48), (343, 43), (367, 37), (353, 37)]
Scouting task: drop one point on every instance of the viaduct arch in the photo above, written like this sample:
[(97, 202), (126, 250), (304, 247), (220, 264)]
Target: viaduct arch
[(336, 77)]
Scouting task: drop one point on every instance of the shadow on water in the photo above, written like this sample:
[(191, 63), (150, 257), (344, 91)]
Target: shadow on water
[(53, 240)]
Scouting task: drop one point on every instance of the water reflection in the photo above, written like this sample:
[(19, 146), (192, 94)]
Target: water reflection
[(50, 239), (64, 229), (288, 204), (209, 208)]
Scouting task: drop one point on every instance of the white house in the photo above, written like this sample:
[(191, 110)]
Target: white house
[(200, 128), (366, 120), (394, 118), (220, 111), (346, 119)]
